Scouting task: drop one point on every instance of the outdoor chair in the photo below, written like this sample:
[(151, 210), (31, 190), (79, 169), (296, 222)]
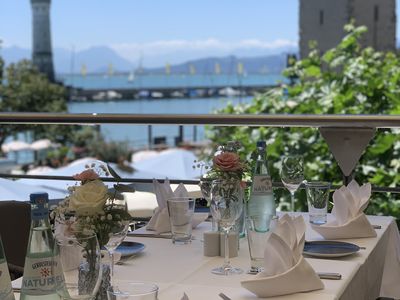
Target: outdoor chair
[(15, 219)]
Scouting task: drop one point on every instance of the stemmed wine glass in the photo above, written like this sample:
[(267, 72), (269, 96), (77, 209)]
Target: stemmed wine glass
[(77, 266), (118, 233), (226, 208), (292, 174)]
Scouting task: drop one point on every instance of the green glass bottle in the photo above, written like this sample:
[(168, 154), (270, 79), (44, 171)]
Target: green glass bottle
[(41, 270), (6, 292)]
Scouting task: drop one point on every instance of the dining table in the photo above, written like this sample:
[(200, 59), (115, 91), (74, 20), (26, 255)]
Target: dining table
[(180, 270), (371, 272)]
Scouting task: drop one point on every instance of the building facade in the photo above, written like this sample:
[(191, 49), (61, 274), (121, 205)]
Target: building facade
[(323, 21), (42, 56)]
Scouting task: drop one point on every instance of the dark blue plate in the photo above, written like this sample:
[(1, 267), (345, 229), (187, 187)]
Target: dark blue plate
[(129, 248), (329, 248)]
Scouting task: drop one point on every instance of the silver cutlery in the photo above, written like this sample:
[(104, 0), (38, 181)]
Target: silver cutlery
[(322, 275), (329, 275), (151, 235), (223, 296)]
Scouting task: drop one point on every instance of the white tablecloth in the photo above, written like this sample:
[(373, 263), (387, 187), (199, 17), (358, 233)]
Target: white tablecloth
[(177, 269), (183, 268)]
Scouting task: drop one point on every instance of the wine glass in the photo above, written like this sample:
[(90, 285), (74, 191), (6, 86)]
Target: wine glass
[(226, 208), (118, 232), (77, 266), (292, 174)]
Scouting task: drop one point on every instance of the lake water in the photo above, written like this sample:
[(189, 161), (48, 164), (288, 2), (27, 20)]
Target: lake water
[(137, 135)]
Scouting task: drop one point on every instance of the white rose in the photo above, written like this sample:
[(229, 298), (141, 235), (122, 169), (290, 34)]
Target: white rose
[(89, 199)]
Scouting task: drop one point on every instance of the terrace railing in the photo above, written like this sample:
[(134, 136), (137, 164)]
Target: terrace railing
[(334, 128)]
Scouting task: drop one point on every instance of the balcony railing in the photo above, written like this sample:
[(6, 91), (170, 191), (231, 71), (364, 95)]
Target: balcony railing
[(262, 120)]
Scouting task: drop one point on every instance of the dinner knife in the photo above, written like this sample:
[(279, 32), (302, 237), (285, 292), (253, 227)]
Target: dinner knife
[(328, 275), (151, 235)]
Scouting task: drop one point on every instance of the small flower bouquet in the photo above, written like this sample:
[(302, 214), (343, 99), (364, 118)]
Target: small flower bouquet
[(226, 165), (90, 208)]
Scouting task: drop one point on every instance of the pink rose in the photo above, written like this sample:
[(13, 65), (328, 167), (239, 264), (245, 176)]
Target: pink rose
[(227, 161), (86, 175)]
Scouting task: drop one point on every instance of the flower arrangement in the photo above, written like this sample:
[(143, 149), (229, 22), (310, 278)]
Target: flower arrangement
[(226, 164), (90, 208)]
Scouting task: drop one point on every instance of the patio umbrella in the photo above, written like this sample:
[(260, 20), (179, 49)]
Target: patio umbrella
[(142, 155), (76, 167), (171, 163), (41, 144), (15, 146), (15, 190)]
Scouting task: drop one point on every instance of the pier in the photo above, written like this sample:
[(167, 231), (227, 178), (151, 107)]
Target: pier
[(79, 94)]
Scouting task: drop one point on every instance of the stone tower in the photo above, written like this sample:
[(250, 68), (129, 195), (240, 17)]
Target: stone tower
[(323, 21), (42, 56)]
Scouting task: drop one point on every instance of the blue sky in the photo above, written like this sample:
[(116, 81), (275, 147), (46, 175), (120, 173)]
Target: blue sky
[(134, 26), (160, 27)]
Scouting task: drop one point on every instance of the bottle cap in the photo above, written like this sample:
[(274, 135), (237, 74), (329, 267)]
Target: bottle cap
[(261, 144), (39, 198)]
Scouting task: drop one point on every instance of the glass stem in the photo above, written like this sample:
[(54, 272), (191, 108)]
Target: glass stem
[(227, 264), (292, 201), (111, 253)]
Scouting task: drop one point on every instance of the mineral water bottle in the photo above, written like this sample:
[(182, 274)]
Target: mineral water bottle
[(261, 201), (41, 270), (6, 292)]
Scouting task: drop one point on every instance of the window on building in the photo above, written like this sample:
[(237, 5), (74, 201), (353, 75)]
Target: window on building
[(376, 13), (321, 17)]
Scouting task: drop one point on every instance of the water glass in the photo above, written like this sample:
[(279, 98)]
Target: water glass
[(133, 291), (317, 198), (181, 210), (258, 228), (79, 257)]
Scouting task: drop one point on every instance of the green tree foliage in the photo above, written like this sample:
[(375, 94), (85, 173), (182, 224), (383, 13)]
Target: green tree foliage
[(345, 80), (24, 89)]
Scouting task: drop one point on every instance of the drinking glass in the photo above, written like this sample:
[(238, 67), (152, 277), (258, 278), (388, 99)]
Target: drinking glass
[(226, 207), (181, 210), (292, 175), (258, 228), (133, 291), (317, 198), (117, 234), (77, 266)]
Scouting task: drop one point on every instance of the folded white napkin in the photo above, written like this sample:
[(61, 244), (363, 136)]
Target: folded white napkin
[(349, 219), (160, 220), (286, 271)]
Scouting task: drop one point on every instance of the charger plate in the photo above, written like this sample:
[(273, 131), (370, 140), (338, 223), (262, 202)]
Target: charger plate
[(130, 248), (329, 248)]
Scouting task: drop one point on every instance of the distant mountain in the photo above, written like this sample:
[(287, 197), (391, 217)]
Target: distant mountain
[(228, 65), (95, 59), (98, 60), (14, 54)]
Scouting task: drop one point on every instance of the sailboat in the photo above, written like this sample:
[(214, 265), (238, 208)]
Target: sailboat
[(110, 70), (131, 76), (83, 70), (217, 69), (167, 69), (192, 70)]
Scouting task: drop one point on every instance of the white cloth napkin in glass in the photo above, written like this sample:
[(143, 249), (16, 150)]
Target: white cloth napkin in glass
[(286, 271), (160, 220), (349, 219)]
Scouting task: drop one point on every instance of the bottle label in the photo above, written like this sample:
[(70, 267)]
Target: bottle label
[(6, 292), (262, 184), (39, 213), (41, 276)]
